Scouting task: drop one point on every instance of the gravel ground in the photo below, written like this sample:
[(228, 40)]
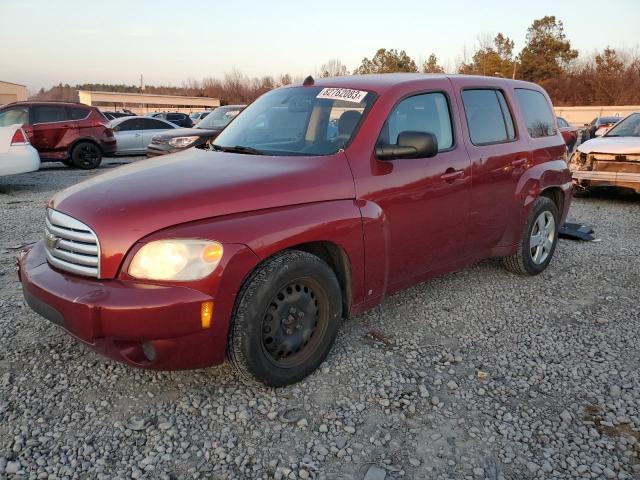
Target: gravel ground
[(476, 375)]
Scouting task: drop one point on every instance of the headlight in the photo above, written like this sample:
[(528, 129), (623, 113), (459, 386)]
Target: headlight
[(182, 141), (176, 259)]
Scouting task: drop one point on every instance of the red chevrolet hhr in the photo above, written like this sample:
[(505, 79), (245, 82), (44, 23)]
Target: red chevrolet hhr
[(318, 201)]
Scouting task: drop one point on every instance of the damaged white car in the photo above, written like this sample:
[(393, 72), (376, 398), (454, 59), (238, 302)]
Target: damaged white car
[(612, 160)]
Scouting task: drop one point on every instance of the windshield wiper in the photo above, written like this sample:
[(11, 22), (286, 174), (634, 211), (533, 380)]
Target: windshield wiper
[(237, 149)]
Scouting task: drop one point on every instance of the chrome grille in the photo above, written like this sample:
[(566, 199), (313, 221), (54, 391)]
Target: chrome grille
[(71, 245)]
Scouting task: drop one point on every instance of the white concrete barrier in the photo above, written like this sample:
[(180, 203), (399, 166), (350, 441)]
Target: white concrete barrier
[(578, 116)]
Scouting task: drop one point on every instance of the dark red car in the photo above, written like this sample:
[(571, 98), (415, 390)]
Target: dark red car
[(314, 204), (568, 132), (75, 134)]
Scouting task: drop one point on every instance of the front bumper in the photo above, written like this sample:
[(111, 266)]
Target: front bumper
[(148, 326), (600, 173), (155, 150)]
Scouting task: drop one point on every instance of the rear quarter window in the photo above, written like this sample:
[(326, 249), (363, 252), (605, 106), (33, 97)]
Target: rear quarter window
[(77, 113), (537, 113)]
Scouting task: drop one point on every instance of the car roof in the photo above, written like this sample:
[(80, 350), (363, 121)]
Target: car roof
[(30, 104), (119, 120), (381, 82)]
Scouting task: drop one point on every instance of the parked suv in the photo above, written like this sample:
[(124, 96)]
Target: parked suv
[(256, 249), (181, 119), (75, 134)]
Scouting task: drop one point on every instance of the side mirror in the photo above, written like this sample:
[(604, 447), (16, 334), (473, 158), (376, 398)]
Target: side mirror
[(409, 145)]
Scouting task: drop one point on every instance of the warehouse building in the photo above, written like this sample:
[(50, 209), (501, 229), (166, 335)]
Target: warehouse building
[(12, 92), (142, 103)]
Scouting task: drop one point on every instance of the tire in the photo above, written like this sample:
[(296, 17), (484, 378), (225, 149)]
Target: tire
[(533, 259), (286, 319), (86, 156)]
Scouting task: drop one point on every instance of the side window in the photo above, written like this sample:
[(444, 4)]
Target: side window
[(129, 125), (488, 116), (153, 124), (427, 112), (537, 113), (77, 113), (172, 117), (48, 114), (12, 116)]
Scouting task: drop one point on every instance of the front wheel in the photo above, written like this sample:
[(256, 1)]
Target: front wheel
[(539, 240), (86, 155), (286, 319)]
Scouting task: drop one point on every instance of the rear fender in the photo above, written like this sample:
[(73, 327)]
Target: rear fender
[(532, 183)]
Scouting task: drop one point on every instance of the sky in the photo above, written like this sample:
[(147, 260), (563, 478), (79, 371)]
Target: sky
[(45, 42)]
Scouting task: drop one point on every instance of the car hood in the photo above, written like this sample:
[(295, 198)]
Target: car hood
[(188, 132), (130, 202), (615, 145)]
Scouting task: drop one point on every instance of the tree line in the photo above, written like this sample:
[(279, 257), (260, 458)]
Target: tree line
[(609, 77)]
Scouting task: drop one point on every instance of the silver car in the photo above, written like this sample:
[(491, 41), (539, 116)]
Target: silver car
[(133, 134)]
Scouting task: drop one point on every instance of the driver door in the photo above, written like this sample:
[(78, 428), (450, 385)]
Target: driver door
[(425, 200)]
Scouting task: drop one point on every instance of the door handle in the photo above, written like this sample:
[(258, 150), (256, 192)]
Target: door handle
[(451, 174), (138, 134)]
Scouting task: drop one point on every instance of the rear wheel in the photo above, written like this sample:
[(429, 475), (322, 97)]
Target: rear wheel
[(286, 319), (86, 155), (539, 240)]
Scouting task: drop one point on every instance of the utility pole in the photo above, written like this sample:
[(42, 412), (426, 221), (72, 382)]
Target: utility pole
[(141, 84)]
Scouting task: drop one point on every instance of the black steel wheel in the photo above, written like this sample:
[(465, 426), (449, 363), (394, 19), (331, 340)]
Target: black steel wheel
[(286, 319), (86, 155), (294, 322)]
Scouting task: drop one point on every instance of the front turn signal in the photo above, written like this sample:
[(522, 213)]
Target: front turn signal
[(206, 313)]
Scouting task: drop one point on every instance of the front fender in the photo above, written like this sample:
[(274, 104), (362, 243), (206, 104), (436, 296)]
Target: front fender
[(266, 232)]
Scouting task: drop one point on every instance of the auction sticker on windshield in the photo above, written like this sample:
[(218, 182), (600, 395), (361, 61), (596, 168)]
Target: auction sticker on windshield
[(345, 94)]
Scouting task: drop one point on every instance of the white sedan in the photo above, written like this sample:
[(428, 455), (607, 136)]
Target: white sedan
[(16, 153), (133, 134)]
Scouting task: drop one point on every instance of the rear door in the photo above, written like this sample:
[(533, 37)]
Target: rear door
[(51, 131), (128, 135), (150, 128), (499, 156)]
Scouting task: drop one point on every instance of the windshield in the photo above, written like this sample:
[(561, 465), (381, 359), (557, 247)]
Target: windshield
[(629, 127), (219, 118), (298, 121)]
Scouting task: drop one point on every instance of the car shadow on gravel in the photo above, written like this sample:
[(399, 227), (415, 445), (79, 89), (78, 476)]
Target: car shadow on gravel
[(611, 193)]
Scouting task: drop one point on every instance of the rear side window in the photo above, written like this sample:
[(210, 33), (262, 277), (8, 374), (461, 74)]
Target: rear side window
[(537, 113), (77, 113), (129, 125), (488, 116), (153, 124), (48, 114), (175, 116), (428, 113)]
